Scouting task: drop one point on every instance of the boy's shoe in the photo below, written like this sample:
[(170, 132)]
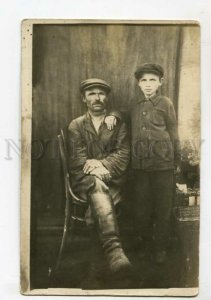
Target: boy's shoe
[(160, 257), (143, 250), (142, 247)]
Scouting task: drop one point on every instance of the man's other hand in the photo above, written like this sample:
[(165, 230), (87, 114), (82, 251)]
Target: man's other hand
[(110, 122), (102, 173), (90, 165)]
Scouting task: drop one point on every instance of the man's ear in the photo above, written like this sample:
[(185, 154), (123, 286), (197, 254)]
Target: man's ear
[(83, 99)]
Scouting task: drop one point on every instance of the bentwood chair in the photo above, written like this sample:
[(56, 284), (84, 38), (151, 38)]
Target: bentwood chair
[(74, 207)]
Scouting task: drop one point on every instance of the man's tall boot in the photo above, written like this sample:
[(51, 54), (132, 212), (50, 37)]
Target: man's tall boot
[(103, 211)]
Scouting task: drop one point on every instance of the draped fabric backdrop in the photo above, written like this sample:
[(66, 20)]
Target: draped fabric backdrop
[(63, 56)]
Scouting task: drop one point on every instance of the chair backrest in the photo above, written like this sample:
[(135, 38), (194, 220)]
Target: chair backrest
[(74, 204), (63, 154)]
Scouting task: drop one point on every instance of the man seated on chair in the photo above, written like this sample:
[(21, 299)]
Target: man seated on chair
[(98, 159)]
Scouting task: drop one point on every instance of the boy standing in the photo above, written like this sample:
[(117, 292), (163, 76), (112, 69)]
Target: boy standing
[(155, 155)]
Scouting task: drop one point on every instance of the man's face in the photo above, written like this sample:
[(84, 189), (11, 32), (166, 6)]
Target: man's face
[(95, 99), (149, 84)]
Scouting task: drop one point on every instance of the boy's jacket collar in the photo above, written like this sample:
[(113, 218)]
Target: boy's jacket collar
[(155, 99)]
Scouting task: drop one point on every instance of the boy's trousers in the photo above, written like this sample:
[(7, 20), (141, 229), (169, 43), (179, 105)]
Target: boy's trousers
[(153, 195)]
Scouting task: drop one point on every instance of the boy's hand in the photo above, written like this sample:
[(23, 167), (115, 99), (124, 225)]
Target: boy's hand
[(91, 164), (110, 122)]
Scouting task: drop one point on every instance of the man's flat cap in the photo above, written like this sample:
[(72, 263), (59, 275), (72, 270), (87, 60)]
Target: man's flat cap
[(94, 82), (149, 69)]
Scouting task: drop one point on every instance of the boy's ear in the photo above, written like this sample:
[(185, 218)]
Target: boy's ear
[(161, 80)]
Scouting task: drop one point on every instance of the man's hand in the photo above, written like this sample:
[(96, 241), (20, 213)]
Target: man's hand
[(91, 164), (110, 122), (102, 173)]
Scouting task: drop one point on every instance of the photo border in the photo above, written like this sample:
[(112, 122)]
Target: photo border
[(26, 132)]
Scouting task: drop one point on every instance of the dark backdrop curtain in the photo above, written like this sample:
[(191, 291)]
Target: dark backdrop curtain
[(63, 56)]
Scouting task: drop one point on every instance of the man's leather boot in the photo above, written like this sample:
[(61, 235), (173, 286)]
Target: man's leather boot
[(103, 211)]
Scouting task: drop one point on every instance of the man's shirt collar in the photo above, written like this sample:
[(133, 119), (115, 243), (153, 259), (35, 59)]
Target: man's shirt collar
[(88, 124)]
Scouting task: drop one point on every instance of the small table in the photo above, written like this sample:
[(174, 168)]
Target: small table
[(187, 222)]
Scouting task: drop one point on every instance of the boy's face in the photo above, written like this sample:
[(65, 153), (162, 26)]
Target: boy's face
[(149, 84)]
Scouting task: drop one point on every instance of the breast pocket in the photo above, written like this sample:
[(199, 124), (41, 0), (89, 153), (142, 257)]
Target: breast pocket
[(158, 117)]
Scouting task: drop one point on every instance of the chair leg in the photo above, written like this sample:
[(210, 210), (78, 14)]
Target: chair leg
[(62, 246), (53, 272), (66, 229)]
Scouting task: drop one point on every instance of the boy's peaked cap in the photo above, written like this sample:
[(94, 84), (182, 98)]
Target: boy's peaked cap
[(149, 69)]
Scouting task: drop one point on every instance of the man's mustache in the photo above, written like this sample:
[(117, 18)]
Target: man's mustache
[(97, 102)]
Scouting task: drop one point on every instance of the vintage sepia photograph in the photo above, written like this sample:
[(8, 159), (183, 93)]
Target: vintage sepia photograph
[(110, 188)]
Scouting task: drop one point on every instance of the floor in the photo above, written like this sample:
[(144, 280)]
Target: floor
[(180, 269)]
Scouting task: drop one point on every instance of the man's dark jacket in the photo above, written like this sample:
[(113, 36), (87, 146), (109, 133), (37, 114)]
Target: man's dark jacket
[(111, 147)]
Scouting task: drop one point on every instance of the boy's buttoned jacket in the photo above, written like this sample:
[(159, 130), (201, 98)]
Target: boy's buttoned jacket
[(154, 135), (111, 147)]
